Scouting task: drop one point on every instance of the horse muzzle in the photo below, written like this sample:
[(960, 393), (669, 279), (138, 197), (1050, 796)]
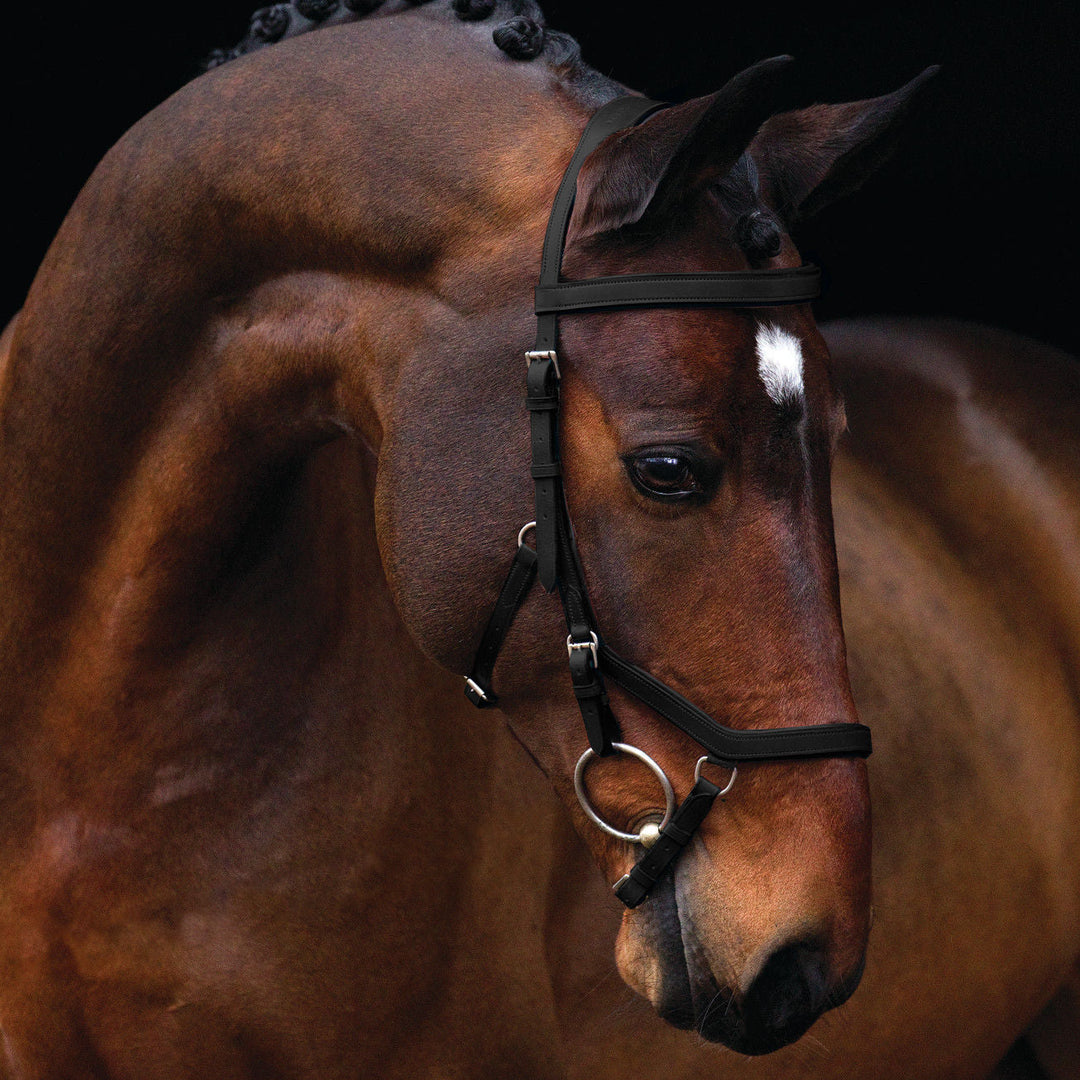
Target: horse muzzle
[(780, 993)]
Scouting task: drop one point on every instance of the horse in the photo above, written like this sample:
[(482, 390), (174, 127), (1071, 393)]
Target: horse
[(263, 459)]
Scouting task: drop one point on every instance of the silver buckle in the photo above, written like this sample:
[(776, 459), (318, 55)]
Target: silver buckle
[(544, 354), (478, 690), (591, 645)]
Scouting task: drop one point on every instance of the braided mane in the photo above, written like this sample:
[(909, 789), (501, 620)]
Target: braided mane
[(520, 31)]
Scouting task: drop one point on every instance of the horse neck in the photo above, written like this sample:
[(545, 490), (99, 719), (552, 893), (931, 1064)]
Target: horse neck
[(208, 360)]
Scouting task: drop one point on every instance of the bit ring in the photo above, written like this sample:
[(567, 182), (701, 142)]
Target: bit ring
[(596, 819)]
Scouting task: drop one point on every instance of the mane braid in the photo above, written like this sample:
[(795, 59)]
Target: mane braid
[(521, 33), (756, 229)]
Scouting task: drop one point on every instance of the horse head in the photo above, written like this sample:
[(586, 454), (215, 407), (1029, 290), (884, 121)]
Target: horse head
[(696, 448)]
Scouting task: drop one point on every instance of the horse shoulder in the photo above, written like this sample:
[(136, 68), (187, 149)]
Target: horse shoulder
[(979, 429)]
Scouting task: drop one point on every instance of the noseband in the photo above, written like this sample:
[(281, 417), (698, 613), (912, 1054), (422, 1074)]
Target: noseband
[(557, 563)]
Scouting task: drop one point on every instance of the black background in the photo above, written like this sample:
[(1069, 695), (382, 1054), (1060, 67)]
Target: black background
[(974, 217)]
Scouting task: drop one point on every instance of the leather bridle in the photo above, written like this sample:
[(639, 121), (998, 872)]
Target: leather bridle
[(557, 564)]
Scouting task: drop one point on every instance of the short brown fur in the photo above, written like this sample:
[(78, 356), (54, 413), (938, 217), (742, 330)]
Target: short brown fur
[(261, 457)]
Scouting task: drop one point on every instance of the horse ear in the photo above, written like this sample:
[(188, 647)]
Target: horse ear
[(675, 152), (808, 158)]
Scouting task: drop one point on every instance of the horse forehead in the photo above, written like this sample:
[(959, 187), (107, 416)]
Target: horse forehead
[(696, 357)]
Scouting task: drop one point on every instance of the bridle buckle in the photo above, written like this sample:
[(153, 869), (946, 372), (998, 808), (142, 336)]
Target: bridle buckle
[(476, 693), (593, 644), (544, 354)]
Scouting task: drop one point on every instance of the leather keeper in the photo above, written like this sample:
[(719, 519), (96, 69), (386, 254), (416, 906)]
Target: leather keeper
[(675, 835)]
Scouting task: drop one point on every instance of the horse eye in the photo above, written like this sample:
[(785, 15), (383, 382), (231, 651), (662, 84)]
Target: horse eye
[(664, 474)]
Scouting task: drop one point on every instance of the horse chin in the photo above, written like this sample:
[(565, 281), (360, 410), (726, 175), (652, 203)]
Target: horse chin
[(659, 956)]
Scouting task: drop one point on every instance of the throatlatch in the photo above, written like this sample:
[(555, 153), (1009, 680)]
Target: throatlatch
[(556, 562)]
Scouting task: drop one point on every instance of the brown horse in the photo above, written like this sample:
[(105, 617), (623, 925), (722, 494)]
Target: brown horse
[(262, 461)]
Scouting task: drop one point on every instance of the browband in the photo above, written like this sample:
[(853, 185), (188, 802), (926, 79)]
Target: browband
[(742, 288), (556, 561)]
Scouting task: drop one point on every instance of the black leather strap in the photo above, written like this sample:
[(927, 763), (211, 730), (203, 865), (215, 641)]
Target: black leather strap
[(744, 288), (621, 113), (733, 744), (592, 699), (512, 595), (648, 870), (543, 387), (543, 380)]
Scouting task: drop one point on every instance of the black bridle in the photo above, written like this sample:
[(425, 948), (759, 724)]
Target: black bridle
[(557, 563)]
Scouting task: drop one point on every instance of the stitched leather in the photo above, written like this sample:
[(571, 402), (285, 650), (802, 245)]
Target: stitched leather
[(733, 744), (746, 288), (543, 385), (592, 699), (614, 116)]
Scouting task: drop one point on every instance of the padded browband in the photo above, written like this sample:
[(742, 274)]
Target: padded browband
[(742, 288)]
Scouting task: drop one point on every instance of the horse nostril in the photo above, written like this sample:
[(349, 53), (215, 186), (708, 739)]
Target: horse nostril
[(788, 995)]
